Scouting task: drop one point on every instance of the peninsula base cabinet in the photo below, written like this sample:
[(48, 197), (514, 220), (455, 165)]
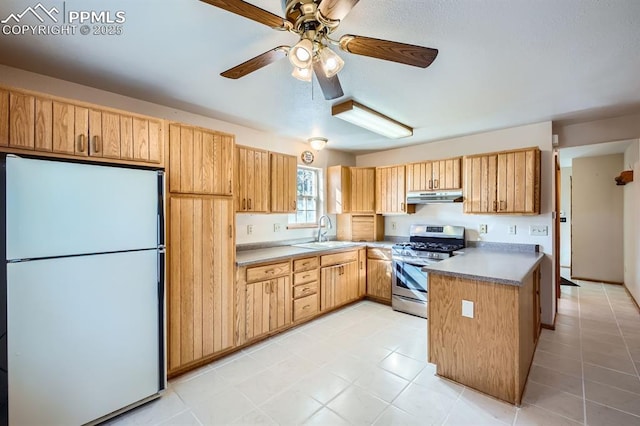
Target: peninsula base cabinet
[(492, 351), (200, 290)]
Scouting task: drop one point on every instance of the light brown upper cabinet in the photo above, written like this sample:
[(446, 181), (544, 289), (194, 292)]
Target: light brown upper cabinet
[(284, 175), (48, 125), (201, 161), (252, 179), (338, 190), (351, 189), (434, 175), (506, 182), (363, 189), (391, 194)]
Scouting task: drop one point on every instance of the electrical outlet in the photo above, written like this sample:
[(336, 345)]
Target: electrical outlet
[(467, 308), (512, 229), (482, 229), (277, 227), (394, 226), (249, 229), (538, 230)]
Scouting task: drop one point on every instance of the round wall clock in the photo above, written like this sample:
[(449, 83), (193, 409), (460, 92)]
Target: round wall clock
[(307, 157)]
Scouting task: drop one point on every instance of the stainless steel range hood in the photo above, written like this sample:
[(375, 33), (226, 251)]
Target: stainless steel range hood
[(434, 197)]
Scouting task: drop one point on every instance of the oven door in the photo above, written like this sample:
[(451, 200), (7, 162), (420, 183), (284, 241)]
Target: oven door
[(409, 280)]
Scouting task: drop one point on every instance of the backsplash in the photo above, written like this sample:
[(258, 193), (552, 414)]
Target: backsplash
[(265, 228)]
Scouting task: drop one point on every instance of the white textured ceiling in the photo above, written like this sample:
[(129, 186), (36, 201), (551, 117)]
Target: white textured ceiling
[(501, 63)]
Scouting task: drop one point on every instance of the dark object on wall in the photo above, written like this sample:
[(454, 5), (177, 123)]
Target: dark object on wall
[(624, 178), (564, 281)]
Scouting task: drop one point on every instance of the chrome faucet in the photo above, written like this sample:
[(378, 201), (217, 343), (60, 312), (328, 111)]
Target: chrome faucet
[(321, 234)]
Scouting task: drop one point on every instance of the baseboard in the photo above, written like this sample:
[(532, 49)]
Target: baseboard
[(549, 327), (635, 302), (596, 281)]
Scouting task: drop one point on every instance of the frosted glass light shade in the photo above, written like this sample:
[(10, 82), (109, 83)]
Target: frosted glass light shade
[(301, 54), (331, 62), (303, 74), (317, 143)]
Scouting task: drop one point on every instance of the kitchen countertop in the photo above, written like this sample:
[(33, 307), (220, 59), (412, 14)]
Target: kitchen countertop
[(502, 267), (269, 254)]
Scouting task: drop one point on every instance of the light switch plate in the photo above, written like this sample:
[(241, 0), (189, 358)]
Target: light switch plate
[(512, 229), (467, 308)]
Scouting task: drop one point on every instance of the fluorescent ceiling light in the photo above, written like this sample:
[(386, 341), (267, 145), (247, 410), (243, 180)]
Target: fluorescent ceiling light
[(369, 119)]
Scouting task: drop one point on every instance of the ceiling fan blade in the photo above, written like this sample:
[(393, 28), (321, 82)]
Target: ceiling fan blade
[(249, 11), (331, 88), (256, 63), (408, 54), (336, 9)]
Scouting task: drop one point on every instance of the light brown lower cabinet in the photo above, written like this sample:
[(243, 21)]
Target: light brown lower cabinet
[(493, 351), (338, 285), (263, 300), (200, 291), (379, 269)]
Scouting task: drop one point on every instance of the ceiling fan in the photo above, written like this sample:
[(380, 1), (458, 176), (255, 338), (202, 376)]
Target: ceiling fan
[(314, 21)]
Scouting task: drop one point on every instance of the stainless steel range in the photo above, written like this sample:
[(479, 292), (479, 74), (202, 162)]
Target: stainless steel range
[(427, 244)]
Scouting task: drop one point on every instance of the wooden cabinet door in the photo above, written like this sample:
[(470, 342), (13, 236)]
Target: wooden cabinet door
[(200, 294), (201, 161), (329, 281), (284, 175), (446, 174), (390, 190), (362, 272), (65, 131), (363, 189), (350, 282), (517, 182), (21, 121), (280, 303), (258, 308), (252, 180), (419, 176), (480, 179), (4, 117), (379, 278), (108, 145), (339, 189)]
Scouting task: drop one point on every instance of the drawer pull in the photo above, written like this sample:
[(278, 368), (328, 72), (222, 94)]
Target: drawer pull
[(306, 289), (305, 307), (269, 271), (306, 276)]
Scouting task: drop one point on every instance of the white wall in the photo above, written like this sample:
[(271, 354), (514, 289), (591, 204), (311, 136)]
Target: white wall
[(632, 222), (262, 224), (597, 226), (565, 210), (539, 135)]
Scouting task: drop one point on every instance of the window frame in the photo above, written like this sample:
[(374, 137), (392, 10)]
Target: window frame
[(292, 219)]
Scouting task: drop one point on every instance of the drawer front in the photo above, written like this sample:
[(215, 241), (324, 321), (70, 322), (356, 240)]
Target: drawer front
[(305, 277), (306, 263), (305, 289), (379, 253), (333, 259), (305, 307), (261, 273)]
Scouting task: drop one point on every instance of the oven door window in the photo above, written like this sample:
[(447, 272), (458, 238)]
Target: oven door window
[(410, 277)]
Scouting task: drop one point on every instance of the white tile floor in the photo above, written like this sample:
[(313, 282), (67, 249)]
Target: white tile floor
[(366, 364)]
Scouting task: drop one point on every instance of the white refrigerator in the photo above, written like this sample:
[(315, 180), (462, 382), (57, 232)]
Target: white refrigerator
[(82, 290)]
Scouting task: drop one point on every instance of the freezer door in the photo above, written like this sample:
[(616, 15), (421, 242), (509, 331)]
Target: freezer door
[(56, 208), (83, 336)]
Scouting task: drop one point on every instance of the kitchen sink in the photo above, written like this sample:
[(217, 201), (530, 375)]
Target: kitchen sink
[(326, 245)]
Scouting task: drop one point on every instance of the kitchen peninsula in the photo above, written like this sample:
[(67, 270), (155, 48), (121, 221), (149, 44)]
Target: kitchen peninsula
[(484, 318)]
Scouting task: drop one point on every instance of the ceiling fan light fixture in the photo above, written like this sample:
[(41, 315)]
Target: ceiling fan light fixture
[(370, 119), (302, 74), (331, 62), (317, 143), (301, 54)]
